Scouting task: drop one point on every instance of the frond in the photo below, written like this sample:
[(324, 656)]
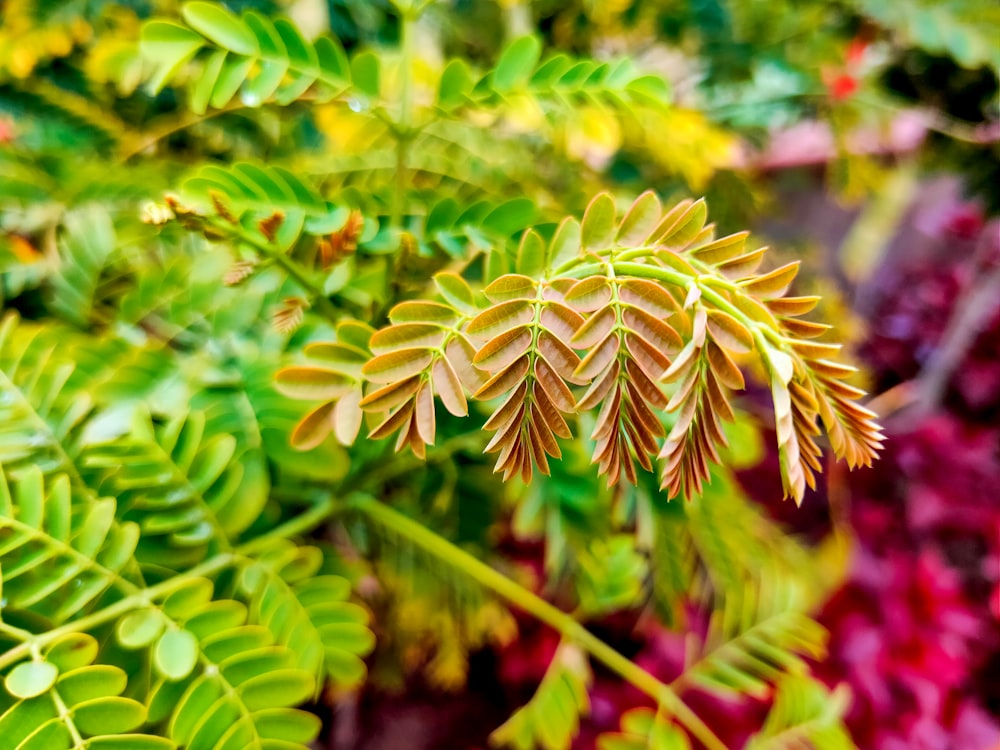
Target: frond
[(648, 299), (551, 719), (645, 729), (39, 423), (805, 716), (219, 681), (308, 612), (60, 550), (335, 381), (183, 485), (88, 240), (751, 642), (251, 56), (62, 700), (558, 83)]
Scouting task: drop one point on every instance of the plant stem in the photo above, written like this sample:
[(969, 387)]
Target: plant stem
[(404, 135), (289, 266), (534, 605), (300, 524), (119, 608)]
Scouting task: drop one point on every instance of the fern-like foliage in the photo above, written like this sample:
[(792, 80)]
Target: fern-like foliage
[(805, 715), (645, 729), (563, 694), (203, 664), (650, 312)]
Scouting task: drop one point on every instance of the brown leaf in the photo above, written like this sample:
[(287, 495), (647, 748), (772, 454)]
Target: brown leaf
[(503, 349), (390, 396), (728, 332), (773, 284), (805, 329), (504, 380), (501, 318), (652, 361), (562, 359), (661, 336), (460, 354), (589, 294), (595, 329), (448, 387), (644, 385), (554, 387), (792, 306), (397, 365), (599, 388), (407, 335), (239, 272), (553, 417), (347, 417), (540, 428), (649, 296), (269, 227), (511, 286), (423, 414), (395, 421), (724, 368), (742, 266), (311, 383), (313, 428), (563, 321), (506, 411), (721, 250), (598, 358)]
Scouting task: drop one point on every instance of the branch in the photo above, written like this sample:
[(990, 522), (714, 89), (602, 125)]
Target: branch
[(555, 618)]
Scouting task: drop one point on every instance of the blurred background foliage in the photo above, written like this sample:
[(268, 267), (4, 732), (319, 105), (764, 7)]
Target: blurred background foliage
[(859, 135)]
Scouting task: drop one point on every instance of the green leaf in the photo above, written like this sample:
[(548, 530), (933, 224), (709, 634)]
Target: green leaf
[(277, 689), (176, 654), (456, 83), (365, 70), (109, 715), (332, 60), (31, 678), (531, 254), (169, 46), (510, 217), (204, 84), (597, 229), (130, 742), (140, 628), (287, 724), (457, 291), (72, 651), (219, 25), (90, 683), (516, 63), (565, 244)]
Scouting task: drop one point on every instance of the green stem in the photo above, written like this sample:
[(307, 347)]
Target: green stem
[(116, 610), (302, 523), (289, 266), (18, 634), (403, 130), (534, 605)]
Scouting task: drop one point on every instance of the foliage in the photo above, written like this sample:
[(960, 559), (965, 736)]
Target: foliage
[(360, 223)]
